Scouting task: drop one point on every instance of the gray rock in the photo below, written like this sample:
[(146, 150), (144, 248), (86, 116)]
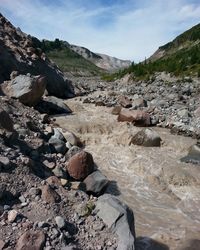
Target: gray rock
[(95, 182), (53, 105), (60, 221), (193, 155), (139, 103), (183, 113), (58, 134), (146, 137), (72, 138), (59, 172), (58, 145), (28, 89), (119, 218), (72, 151)]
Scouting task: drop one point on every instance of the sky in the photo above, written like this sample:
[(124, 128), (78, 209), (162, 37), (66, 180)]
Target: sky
[(129, 29)]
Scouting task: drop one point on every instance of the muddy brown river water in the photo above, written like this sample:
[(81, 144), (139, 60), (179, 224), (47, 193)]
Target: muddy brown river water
[(162, 191)]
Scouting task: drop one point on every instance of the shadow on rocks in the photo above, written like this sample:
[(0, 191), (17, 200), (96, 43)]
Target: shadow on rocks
[(10, 199), (145, 243), (112, 188)]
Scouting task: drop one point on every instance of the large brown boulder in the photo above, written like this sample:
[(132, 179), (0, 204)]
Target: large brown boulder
[(31, 241), (28, 89), (80, 165), (138, 117)]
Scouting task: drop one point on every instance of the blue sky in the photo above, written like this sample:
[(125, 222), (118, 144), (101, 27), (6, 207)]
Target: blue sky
[(129, 29)]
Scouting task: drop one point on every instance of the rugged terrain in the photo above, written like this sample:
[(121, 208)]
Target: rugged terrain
[(67, 165)]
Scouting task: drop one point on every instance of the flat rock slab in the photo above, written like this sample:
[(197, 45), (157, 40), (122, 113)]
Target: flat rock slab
[(119, 218)]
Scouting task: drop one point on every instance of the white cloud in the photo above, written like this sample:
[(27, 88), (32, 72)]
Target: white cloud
[(126, 31)]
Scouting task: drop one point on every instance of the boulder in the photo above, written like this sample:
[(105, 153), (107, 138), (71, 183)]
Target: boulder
[(58, 146), (72, 138), (146, 137), (137, 117), (119, 218), (193, 154), (139, 103), (52, 106), (28, 89), (80, 165), (116, 110), (5, 121), (31, 240), (58, 134), (125, 102), (95, 182), (49, 195)]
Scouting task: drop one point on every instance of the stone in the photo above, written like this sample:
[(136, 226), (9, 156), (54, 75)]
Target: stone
[(80, 165), (139, 103), (119, 218), (95, 182), (58, 134), (64, 182), (48, 164), (12, 215), (58, 145), (137, 117), (72, 138), (193, 154), (5, 121), (60, 221), (59, 172), (49, 195), (147, 138), (125, 102), (53, 181), (53, 105), (116, 110), (183, 113), (31, 240), (72, 151), (28, 89), (77, 185), (4, 161)]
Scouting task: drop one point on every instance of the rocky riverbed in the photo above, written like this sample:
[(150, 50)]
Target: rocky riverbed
[(162, 190)]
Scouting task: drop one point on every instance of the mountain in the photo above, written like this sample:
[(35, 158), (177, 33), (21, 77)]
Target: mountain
[(100, 60), (68, 60), (180, 57), (184, 42)]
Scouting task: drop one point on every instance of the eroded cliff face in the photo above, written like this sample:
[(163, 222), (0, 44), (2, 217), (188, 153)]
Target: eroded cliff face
[(100, 60), (19, 52)]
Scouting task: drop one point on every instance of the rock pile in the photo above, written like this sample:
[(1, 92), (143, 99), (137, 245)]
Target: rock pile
[(20, 52), (49, 188)]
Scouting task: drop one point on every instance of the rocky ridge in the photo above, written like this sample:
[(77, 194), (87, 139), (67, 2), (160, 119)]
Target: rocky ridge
[(100, 60)]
